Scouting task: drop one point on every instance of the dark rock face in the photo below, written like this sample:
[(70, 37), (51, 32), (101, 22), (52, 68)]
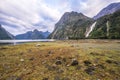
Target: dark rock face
[(108, 10), (5, 34), (72, 25), (33, 35)]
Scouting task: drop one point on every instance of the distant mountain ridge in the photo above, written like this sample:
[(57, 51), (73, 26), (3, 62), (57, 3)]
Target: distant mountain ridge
[(33, 35), (108, 10), (5, 35)]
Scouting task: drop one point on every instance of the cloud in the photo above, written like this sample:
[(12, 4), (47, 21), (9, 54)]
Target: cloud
[(92, 7), (24, 15)]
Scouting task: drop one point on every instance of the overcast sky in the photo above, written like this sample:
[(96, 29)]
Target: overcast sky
[(19, 16)]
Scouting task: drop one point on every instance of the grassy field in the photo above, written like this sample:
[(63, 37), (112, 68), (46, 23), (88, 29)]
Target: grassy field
[(61, 60)]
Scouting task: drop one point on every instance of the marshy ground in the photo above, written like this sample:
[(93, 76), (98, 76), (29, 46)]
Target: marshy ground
[(61, 60)]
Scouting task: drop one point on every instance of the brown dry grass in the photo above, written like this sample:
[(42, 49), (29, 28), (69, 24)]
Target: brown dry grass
[(39, 61)]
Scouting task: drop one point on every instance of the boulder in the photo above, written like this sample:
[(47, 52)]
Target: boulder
[(58, 62), (87, 63), (74, 62)]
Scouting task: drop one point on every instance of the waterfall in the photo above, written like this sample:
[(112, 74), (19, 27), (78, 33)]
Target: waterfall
[(90, 29), (107, 24)]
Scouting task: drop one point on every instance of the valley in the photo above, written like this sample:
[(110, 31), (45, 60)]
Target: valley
[(59, 40)]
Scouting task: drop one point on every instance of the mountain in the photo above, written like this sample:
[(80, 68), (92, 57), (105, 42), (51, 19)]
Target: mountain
[(75, 25), (5, 35), (33, 35), (107, 26), (108, 10), (72, 25)]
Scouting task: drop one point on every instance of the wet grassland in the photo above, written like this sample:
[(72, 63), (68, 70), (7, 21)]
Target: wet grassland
[(61, 60)]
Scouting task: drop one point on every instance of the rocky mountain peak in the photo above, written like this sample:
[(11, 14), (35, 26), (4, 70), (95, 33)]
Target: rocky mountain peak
[(70, 17), (35, 30), (72, 13)]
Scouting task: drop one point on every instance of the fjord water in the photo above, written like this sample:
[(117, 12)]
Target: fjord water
[(24, 41)]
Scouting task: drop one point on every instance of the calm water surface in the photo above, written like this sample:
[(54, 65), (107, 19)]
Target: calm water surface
[(24, 41)]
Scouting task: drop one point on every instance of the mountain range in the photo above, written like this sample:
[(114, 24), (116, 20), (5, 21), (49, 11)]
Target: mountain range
[(5, 35), (33, 35), (105, 25), (74, 25)]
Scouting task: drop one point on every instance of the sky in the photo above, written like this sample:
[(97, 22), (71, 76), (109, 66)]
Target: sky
[(20, 16)]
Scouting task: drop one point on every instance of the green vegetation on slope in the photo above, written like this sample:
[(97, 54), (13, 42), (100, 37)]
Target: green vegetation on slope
[(100, 30)]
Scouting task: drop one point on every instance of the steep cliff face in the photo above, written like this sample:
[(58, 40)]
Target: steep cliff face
[(5, 35), (108, 10), (72, 25), (107, 27)]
